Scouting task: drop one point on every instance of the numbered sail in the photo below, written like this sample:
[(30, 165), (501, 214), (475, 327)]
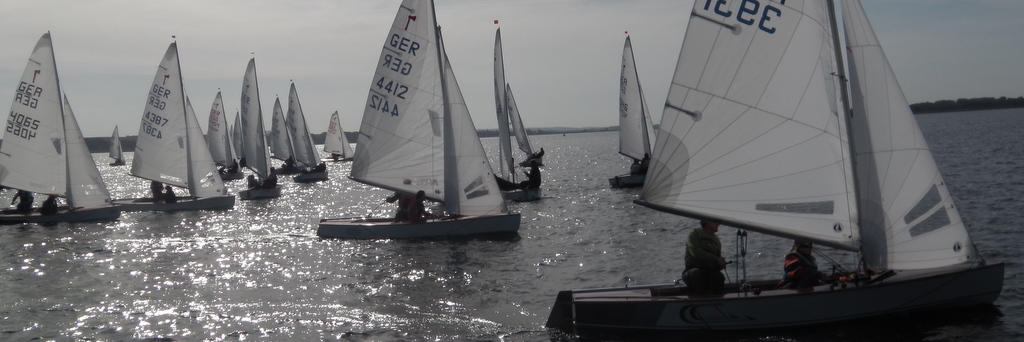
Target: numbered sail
[(400, 139), (32, 157), (280, 141), (335, 141), (750, 133), (634, 117), (160, 151), (305, 152), (217, 136), (85, 187), (908, 219), (254, 142)]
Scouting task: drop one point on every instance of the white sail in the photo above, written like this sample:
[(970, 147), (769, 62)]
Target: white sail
[(85, 187), (280, 139), (115, 151), (254, 142), (203, 178), (160, 150), (517, 123), (217, 136), (505, 160), (908, 220), (32, 155), (305, 151), (634, 117), (236, 136), (335, 141), (470, 188), (750, 134), (400, 139)]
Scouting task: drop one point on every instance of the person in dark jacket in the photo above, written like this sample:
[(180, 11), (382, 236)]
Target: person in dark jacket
[(704, 261), (800, 267)]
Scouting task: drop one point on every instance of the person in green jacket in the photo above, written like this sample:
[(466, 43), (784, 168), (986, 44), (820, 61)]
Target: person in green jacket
[(704, 261)]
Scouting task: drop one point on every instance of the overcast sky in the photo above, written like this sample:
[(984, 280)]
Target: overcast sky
[(561, 56)]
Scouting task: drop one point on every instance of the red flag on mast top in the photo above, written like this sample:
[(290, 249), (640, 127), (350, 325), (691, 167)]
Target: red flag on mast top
[(495, 21)]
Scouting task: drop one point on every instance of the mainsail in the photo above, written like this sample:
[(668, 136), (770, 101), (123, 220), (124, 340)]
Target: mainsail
[(217, 136), (254, 141), (750, 133), (634, 117)]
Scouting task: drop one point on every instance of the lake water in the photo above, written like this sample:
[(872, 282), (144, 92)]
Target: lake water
[(258, 272)]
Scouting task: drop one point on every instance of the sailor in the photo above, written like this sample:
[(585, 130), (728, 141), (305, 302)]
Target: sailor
[(800, 267), (49, 206), (169, 196), (24, 200), (704, 261)]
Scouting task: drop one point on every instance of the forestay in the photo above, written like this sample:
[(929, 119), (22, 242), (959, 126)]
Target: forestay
[(750, 133)]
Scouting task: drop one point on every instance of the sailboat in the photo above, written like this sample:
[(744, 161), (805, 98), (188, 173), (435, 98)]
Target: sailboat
[(281, 141), (302, 144), (335, 142), (218, 138), (509, 123), (236, 140), (634, 123), (416, 138), (44, 152), (171, 148), (115, 151), (254, 142), (758, 142)]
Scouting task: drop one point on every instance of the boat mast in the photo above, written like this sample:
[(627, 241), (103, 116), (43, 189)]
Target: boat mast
[(62, 99), (846, 111), (184, 114)]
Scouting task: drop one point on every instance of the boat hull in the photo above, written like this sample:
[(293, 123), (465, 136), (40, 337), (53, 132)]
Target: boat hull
[(386, 228), (522, 195), (83, 214), (258, 193), (627, 181), (287, 170), (232, 176), (117, 163), (183, 203), (667, 308), (310, 177)]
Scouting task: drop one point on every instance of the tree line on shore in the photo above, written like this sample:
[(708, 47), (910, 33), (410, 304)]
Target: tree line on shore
[(960, 105)]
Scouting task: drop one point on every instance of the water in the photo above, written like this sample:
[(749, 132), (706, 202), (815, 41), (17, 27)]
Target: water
[(258, 272)]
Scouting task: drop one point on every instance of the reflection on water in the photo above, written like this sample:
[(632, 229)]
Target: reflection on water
[(258, 271)]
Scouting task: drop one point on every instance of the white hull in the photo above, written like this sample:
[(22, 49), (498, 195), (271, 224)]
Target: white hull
[(627, 180), (311, 177), (183, 203), (232, 176), (522, 195), (259, 193), (359, 228), (104, 213), (668, 308)]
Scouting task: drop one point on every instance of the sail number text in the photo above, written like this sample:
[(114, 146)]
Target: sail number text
[(750, 11), (23, 126), (150, 123), (28, 95)]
